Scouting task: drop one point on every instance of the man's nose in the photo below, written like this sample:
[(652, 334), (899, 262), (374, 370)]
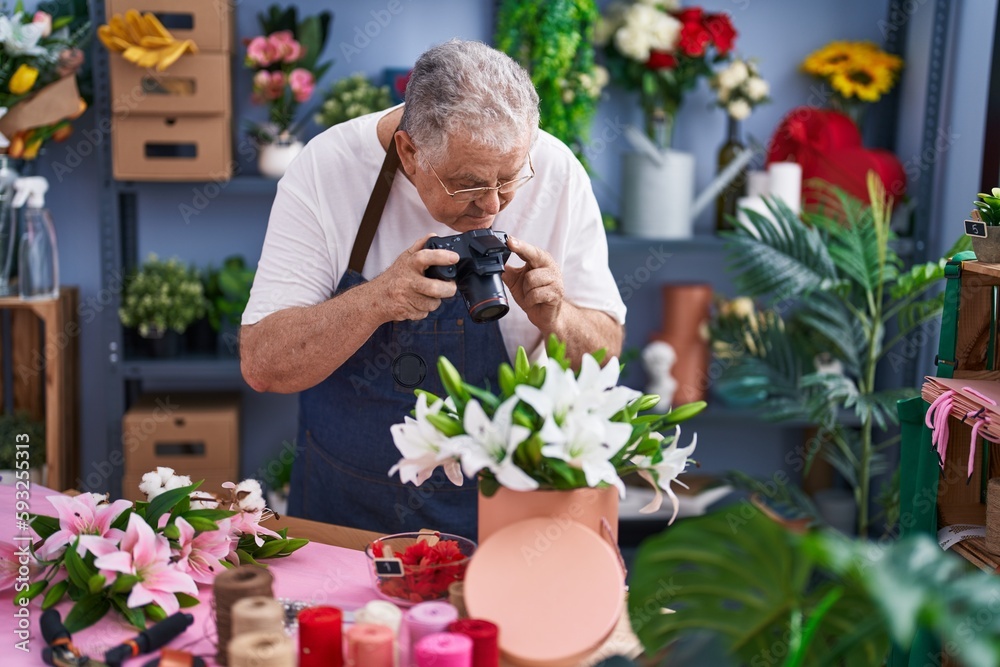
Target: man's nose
[(489, 202)]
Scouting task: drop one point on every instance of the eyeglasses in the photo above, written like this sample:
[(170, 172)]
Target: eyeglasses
[(472, 194)]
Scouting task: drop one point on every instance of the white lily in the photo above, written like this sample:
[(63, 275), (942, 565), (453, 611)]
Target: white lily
[(21, 39), (660, 475), (491, 444), (424, 447), (589, 445)]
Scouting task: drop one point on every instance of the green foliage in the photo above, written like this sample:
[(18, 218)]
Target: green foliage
[(829, 285), (988, 206), (775, 597), (553, 40), (228, 291), (349, 98), (21, 428), (162, 295)]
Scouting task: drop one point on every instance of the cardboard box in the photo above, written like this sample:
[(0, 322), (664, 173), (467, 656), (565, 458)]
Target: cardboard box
[(172, 148), (208, 22), (195, 434), (194, 85)]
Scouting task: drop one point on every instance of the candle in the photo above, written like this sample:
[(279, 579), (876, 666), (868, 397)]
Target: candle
[(428, 618), (370, 645), (444, 649), (484, 636), (320, 638), (786, 184)]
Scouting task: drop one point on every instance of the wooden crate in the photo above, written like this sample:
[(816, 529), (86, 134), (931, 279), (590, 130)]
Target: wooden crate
[(44, 369)]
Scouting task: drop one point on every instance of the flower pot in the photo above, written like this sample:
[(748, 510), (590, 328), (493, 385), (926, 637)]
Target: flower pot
[(686, 312), (596, 509), (657, 198), (273, 159), (162, 344), (987, 248)]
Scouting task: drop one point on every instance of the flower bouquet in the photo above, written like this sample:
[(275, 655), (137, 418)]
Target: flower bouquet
[(548, 428), (661, 51), (858, 72), (38, 93), (144, 559), (739, 88), (285, 62)]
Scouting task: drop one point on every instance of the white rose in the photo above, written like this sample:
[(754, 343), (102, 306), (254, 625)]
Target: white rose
[(633, 43), (757, 88), (664, 30), (738, 109), (733, 76), (601, 76)]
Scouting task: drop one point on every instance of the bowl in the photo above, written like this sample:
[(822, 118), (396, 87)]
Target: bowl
[(408, 568)]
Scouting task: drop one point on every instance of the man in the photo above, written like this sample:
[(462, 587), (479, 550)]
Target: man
[(357, 328)]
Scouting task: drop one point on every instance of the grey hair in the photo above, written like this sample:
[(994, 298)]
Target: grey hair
[(468, 88)]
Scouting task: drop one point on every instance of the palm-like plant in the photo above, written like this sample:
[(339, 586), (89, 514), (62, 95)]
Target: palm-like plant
[(832, 285)]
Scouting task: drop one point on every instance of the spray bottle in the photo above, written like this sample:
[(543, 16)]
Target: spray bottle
[(8, 225), (38, 259)]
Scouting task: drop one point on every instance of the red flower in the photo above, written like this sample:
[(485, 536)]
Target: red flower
[(722, 30), (428, 571), (689, 15), (661, 60), (694, 38)]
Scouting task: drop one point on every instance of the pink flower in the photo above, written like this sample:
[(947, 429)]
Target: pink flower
[(78, 516), (199, 554), (146, 555), (275, 88), (45, 21), (248, 523), (70, 60), (302, 84), (261, 52), (9, 564), (287, 49)]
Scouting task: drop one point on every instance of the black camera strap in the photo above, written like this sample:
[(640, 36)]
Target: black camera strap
[(376, 204)]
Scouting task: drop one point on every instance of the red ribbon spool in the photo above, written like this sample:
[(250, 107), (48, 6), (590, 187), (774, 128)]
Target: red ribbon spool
[(320, 640), (485, 650)]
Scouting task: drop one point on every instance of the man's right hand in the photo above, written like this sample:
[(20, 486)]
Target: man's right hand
[(405, 293)]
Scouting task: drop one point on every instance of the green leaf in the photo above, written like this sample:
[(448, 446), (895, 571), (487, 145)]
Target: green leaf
[(210, 514), (34, 590), (154, 612), (133, 615), (293, 544), (269, 548), (162, 503), (55, 594), (488, 485), (45, 526), (79, 573), (121, 523), (96, 583), (486, 398), (87, 611), (246, 558), (185, 600), (202, 524)]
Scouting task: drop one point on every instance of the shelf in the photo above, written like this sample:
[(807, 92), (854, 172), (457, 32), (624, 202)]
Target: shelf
[(618, 241), (204, 368), (239, 185)]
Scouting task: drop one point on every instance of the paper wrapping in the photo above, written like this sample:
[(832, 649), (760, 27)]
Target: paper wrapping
[(53, 103)]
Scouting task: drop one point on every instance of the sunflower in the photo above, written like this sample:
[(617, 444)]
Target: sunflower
[(866, 81), (830, 59)]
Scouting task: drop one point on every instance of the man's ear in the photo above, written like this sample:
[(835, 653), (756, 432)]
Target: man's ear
[(407, 151)]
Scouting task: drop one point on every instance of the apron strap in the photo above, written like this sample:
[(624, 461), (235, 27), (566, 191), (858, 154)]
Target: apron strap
[(376, 204)]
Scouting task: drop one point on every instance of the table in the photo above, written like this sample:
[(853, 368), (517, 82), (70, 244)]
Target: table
[(332, 570)]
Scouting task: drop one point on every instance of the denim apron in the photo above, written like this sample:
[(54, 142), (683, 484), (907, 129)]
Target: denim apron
[(341, 473)]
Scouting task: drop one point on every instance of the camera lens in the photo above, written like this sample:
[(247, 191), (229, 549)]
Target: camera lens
[(484, 296), (488, 311)]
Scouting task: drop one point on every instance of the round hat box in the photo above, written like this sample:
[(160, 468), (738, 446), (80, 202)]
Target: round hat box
[(554, 589)]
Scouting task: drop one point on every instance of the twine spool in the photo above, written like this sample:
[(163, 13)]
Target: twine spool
[(484, 636), (320, 637), (261, 649), (370, 645), (230, 587), (456, 596), (993, 515), (257, 614), (443, 649)]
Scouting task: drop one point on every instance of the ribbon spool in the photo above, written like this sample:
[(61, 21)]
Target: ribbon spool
[(428, 618), (380, 612), (370, 645), (993, 516), (261, 649), (257, 614), (320, 637), (483, 633), (443, 649), (230, 587)]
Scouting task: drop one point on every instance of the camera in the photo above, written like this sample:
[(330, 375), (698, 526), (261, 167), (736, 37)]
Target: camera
[(482, 254)]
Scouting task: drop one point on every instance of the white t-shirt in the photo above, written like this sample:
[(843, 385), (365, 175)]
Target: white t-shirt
[(321, 198)]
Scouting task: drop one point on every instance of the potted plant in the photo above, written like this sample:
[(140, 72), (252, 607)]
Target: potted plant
[(161, 300), (21, 428), (830, 289), (285, 62), (554, 42), (987, 247), (228, 291), (349, 98)]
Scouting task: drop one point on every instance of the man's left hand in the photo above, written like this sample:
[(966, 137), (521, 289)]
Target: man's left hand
[(537, 286)]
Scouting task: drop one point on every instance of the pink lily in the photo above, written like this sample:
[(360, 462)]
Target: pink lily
[(78, 516), (146, 555), (9, 564), (248, 523), (199, 555)]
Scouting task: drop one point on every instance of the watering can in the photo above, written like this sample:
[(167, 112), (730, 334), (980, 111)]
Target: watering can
[(658, 195)]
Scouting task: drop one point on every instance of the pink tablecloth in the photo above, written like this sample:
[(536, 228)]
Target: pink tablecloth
[(317, 573)]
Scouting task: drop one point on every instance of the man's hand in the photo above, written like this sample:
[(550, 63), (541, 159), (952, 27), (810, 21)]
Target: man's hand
[(405, 292), (537, 286)]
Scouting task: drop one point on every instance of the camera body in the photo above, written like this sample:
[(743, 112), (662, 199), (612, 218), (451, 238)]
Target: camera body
[(482, 254)]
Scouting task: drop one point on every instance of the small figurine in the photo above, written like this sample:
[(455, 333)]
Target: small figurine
[(658, 358)]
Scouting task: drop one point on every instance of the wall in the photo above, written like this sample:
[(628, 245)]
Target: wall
[(777, 32)]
